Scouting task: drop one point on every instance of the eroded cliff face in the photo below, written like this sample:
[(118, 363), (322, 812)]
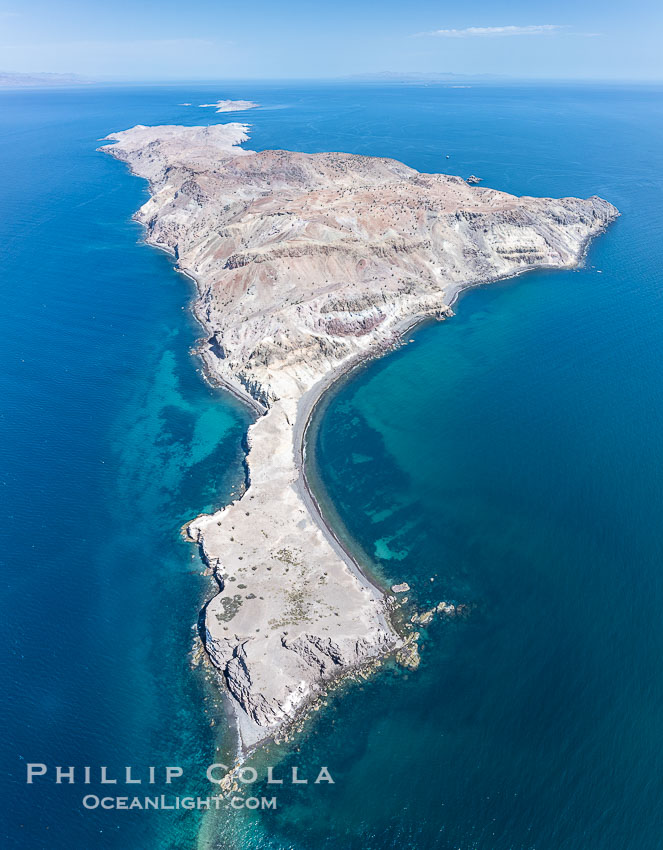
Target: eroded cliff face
[(304, 263), (302, 259)]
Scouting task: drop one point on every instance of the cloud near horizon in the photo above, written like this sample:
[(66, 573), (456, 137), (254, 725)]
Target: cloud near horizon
[(472, 32)]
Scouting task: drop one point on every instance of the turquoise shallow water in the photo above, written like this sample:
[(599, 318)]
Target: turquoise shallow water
[(511, 453), (110, 442)]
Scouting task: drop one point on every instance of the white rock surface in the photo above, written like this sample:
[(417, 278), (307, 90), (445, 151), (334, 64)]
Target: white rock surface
[(304, 264), (232, 105)]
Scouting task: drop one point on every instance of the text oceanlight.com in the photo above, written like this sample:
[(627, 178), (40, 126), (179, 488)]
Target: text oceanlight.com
[(162, 802)]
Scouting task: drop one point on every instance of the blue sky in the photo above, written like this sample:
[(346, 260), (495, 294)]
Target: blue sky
[(202, 39)]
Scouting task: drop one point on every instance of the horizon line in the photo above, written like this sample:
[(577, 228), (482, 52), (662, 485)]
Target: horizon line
[(74, 80)]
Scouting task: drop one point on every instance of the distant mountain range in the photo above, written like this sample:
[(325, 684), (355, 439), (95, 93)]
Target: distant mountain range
[(11, 80)]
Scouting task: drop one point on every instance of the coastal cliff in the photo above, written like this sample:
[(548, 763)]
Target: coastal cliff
[(305, 264)]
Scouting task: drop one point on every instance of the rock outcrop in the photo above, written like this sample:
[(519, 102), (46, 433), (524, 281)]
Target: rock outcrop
[(232, 105), (304, 264)]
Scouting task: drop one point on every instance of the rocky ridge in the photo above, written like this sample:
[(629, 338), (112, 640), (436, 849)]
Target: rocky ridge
[(305, 264)]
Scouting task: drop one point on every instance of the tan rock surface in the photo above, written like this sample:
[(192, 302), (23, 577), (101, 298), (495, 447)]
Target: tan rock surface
[(304, 264)]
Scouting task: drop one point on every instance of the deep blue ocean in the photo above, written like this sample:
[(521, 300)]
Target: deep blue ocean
[(513, 453)]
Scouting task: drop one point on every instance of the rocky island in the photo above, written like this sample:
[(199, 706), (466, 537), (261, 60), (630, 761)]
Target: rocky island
[(305, 264), (232, 105)]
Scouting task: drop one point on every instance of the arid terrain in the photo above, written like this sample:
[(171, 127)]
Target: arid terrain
[(305, 264)]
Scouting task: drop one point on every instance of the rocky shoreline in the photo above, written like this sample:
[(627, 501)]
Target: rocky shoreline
[(304, 266)]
